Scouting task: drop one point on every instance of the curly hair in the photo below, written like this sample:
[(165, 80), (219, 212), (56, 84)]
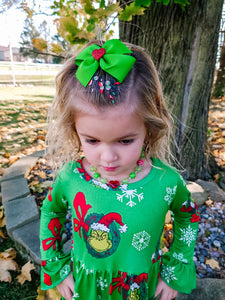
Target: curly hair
[(62, 140)]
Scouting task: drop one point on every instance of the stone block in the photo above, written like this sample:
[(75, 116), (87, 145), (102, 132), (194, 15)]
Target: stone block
[(14, 189), (27, 238), (38, 154), (67, 246), (19, 168), (207, 289), (198, 193), (215, 193), (20, 212)]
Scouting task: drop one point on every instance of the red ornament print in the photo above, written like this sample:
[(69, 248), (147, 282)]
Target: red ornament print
[(55, 227), (47, 279)]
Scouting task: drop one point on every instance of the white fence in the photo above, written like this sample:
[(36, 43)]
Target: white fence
[(25, 68)]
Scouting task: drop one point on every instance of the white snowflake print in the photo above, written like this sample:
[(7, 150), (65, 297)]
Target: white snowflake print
[(87, 270), (180, 257), (75, 170), (170, 192), (189, 235), (131, 195), (168, 273), (141, 240), (99, 297), (102, 283), (75, 296), (64, 271)]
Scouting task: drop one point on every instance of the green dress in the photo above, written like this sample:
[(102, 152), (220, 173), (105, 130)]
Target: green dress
[(115, 248)]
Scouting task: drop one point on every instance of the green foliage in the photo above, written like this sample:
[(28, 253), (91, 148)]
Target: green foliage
[(131, 10), (144, 3), (79, 21), (219, 90)]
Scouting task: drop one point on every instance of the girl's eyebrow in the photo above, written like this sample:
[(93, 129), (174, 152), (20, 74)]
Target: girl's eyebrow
[(131, 135)]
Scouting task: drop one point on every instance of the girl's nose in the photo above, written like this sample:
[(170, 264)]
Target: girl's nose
[(109, 155)]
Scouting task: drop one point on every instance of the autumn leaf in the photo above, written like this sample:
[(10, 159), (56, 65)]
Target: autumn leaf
[(8, 254), (2, 235), (1, 212), (25, 273), (7, 264), (52, 294), (212, 263)]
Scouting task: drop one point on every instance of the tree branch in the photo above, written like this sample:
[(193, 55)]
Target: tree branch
[(44, 53)]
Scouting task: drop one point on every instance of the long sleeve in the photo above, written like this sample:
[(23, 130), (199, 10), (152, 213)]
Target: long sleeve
[(55, 265), (178, 269)]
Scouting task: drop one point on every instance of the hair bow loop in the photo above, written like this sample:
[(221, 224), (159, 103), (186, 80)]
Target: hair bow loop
[(110, 57)]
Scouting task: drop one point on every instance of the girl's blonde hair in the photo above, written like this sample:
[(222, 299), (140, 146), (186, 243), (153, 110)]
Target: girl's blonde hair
[(62, 140)]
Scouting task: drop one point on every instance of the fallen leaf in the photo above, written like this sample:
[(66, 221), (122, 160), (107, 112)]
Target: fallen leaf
[(208, 202), (8, 254), (7, 264), (2, 235), (212, 263), (52, 294), (168, 227), (25, 273), (41, 174), (13, 159), (34, 182), (1, 212), (2, 222), (216, 177), (41, 294)]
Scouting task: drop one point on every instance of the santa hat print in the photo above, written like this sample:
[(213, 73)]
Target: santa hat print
[(104, 222)]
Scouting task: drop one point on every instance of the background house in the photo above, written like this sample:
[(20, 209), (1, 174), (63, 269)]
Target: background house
[(5, 54)]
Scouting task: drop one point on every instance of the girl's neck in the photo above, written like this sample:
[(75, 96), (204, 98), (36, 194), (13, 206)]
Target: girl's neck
[(146, 168)]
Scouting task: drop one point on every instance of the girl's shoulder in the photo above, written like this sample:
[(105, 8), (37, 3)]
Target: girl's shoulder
[(166, 170), (67, 169)]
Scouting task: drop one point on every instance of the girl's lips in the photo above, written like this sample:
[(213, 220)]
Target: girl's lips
[(109, 169)]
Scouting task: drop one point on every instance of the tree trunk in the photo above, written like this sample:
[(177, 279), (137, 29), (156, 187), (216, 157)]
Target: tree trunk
[(183, 46), (219, 88)]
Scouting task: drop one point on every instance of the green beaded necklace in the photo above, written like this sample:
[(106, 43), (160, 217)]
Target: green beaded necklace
[(115, 183)]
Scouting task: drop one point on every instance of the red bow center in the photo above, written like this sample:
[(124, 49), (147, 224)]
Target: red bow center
[(98, 53)]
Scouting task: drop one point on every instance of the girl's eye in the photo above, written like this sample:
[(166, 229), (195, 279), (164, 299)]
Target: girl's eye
[(91, 141), (126, 142)]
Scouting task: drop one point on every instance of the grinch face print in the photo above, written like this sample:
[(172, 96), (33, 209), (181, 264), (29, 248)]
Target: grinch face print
[(99, 241), (101, 233)]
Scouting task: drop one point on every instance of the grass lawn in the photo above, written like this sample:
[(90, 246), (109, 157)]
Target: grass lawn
[(23, 112), (37, 80)]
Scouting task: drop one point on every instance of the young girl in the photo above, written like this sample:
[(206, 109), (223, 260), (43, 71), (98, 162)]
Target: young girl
[(109, 105)]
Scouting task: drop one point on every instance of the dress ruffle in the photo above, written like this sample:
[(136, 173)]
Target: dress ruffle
[(178, 275), (54, 271)]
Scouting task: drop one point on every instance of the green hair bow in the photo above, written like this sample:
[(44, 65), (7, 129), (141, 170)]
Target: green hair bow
[(110, 57)]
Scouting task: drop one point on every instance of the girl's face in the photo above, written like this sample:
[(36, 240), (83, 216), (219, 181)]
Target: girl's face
[(112, 139)]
